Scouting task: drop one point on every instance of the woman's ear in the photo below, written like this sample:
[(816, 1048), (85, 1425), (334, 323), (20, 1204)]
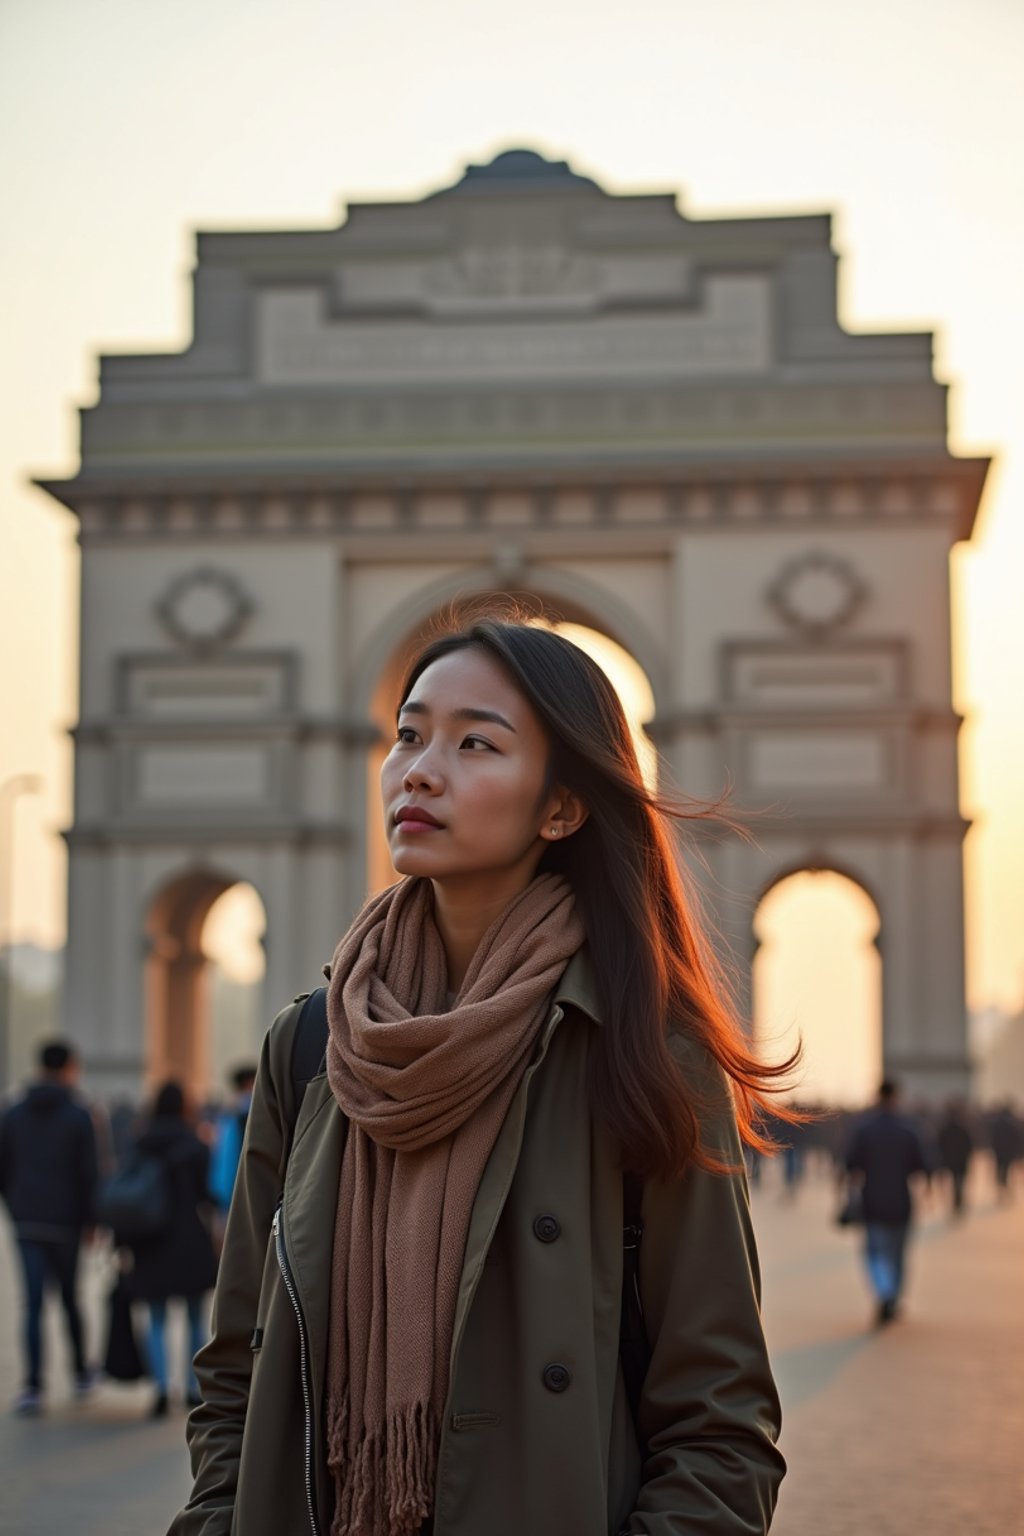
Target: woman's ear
[(565, 815)]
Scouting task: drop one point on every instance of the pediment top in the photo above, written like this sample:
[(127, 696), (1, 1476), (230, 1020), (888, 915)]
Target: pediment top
[(520, 169)]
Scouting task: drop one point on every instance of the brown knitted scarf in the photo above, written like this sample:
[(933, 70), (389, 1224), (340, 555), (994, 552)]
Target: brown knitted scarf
[(425, 1090)]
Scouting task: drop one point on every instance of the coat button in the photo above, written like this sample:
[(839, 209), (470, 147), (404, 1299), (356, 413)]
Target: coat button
[(546, 1228), (556, 1377)]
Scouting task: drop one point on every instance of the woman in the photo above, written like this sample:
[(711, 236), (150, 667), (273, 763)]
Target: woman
[(424, 1334), (179, 1261)]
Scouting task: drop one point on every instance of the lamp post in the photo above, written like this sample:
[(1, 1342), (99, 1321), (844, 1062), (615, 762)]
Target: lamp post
[(10, 789)]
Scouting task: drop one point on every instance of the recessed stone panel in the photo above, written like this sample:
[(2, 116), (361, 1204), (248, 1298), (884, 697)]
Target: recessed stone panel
[(193, 776), (236, 690), (438, 511), (812, 680), (819, 762), (373, 512), (573, 508), (298, 342)]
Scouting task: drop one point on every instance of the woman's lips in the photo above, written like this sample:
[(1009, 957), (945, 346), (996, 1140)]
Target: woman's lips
[(413, 819)]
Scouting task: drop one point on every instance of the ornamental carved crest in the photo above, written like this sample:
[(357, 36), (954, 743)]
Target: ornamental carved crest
[(510, 275), (817, 593), (204, 608)]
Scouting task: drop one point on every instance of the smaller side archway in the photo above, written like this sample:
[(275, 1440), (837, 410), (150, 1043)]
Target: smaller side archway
[(178, 973), (817, 977)]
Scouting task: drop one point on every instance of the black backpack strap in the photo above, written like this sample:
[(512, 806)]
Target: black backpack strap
[(309, 1047), (634, 1349)]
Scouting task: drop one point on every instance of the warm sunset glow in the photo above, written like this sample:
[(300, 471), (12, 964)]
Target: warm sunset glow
[(114, 157), (818, 975), (232, 933), (630, 682)]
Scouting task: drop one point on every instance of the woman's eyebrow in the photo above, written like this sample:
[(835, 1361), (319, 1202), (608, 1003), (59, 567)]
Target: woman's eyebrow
[(415, 707)]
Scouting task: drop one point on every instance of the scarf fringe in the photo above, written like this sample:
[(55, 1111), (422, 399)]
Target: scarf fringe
[(384, 1483)]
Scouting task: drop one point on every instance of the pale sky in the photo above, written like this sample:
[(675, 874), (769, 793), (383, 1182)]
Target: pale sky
[(127, 125)]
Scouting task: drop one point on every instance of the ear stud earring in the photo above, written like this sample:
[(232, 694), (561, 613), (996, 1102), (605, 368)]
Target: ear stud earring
[(554, 831)]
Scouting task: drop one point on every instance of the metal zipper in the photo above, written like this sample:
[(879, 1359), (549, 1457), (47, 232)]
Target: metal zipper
[(289, 1285)]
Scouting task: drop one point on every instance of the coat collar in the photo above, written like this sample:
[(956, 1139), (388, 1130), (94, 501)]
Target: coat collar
[(578, 987)]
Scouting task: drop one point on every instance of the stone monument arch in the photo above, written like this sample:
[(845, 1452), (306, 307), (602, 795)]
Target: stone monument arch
[(519, 382)]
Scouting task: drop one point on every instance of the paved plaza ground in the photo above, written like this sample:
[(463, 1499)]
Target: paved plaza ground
[(914, 1431)]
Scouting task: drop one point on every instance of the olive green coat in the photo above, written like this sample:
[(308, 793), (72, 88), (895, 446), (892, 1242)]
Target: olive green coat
[(524, 1451)]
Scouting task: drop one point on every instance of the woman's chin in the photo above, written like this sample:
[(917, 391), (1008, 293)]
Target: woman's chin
[(414, 861)]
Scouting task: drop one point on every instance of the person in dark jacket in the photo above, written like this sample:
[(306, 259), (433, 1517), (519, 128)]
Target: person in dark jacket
[(179, 1262), (48, 1171), (955, 1143), (1006, 1135), (884, 1155)]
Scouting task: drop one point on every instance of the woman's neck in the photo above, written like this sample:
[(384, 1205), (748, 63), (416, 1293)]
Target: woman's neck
[(464, 912)]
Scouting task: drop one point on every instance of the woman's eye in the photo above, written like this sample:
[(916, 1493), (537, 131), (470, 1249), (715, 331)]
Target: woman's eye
[(405, 734), (477, 743)]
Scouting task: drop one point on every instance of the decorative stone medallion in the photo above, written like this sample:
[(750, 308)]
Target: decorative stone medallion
[(204, 608), (817, 593)]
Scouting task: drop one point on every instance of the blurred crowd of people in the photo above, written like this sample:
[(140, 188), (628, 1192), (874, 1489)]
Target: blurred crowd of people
[(950, 1135), (153, 1184), (885, 1159), (63, 1162)]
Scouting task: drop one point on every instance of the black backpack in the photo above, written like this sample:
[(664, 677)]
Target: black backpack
[(308, 1055), (135, 1202)]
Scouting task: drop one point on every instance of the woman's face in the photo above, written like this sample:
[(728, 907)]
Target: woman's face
[(463, 785)]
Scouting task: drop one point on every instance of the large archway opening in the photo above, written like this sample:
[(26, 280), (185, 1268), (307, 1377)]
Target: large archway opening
[(818, 977), (627, 676), (203, 971)]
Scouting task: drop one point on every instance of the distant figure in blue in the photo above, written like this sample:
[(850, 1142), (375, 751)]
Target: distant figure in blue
[(884, 1155), (230, 1130)]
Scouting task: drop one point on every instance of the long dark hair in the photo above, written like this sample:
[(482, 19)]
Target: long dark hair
[(653, 964)]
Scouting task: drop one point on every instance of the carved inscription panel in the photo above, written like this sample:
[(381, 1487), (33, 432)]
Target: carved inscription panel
[(298, 342)]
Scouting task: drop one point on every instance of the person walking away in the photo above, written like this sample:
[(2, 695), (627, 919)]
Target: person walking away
[(955, 1144), (884, 1155), (1006, 1135), (179, 1262), (48, 1174)]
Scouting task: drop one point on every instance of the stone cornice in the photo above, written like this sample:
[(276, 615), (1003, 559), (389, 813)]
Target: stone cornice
[(178, 833), (834, 820), (897, 1062), (711, 722), (104, 732), (930, 488), (825, 825)]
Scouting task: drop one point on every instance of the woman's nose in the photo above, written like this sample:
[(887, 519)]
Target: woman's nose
[(423, 773)]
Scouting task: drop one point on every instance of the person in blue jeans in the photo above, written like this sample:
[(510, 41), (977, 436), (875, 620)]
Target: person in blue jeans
[(48, 1172), (884, 1155), (179, 1262)]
